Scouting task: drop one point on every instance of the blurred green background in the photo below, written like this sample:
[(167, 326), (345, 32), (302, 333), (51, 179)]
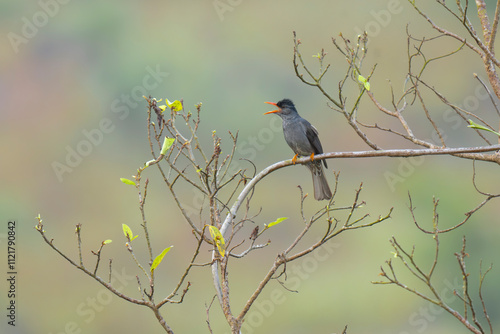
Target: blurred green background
[(82, 67)]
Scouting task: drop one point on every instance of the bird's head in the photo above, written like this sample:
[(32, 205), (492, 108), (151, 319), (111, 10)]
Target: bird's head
[(285, 107)]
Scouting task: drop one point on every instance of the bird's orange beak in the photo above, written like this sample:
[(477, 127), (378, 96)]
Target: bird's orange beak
[(273, 111)]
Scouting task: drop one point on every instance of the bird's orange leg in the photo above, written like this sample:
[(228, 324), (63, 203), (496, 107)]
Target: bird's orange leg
[(294, 159), (312, 156)]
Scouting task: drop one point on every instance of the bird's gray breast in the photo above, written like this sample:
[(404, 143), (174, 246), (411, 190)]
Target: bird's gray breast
[(296, 138)]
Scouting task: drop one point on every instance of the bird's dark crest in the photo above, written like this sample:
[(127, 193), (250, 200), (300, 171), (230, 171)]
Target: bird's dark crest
[(285, 103)]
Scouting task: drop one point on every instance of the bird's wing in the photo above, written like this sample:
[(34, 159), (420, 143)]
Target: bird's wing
[(312, 136)]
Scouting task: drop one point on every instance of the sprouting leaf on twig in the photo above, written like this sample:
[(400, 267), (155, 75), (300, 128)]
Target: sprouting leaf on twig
[(166, 145), (127, 181), (218, 239), (128, 232), (276, 222), (365, 82), (176, 105), (473, 125), (159, 258)]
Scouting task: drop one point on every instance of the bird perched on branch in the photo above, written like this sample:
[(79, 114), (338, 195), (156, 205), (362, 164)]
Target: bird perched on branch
[(303, 139)]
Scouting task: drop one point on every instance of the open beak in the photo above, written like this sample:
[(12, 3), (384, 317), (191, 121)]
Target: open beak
[(273, 111)]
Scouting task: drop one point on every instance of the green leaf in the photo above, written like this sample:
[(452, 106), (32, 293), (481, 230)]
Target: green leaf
[(128, 232), (166, 145), (105, 242), (218, 239), (127, 181), (159, 258), (473, 125), (365, 82), (276, 222), (176, 105)]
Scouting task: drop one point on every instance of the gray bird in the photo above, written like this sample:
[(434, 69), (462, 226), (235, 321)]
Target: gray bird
[(303, 139)]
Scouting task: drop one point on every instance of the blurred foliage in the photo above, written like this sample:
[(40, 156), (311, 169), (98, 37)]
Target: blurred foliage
[(91, 55)]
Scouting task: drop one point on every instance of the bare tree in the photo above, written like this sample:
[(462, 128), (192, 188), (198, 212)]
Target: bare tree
[(414, 92), (218, 224)]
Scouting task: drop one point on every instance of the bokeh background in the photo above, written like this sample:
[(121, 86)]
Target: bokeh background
[(77, 67)]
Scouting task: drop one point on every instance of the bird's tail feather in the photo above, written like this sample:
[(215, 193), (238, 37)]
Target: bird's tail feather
[(321, 189)]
